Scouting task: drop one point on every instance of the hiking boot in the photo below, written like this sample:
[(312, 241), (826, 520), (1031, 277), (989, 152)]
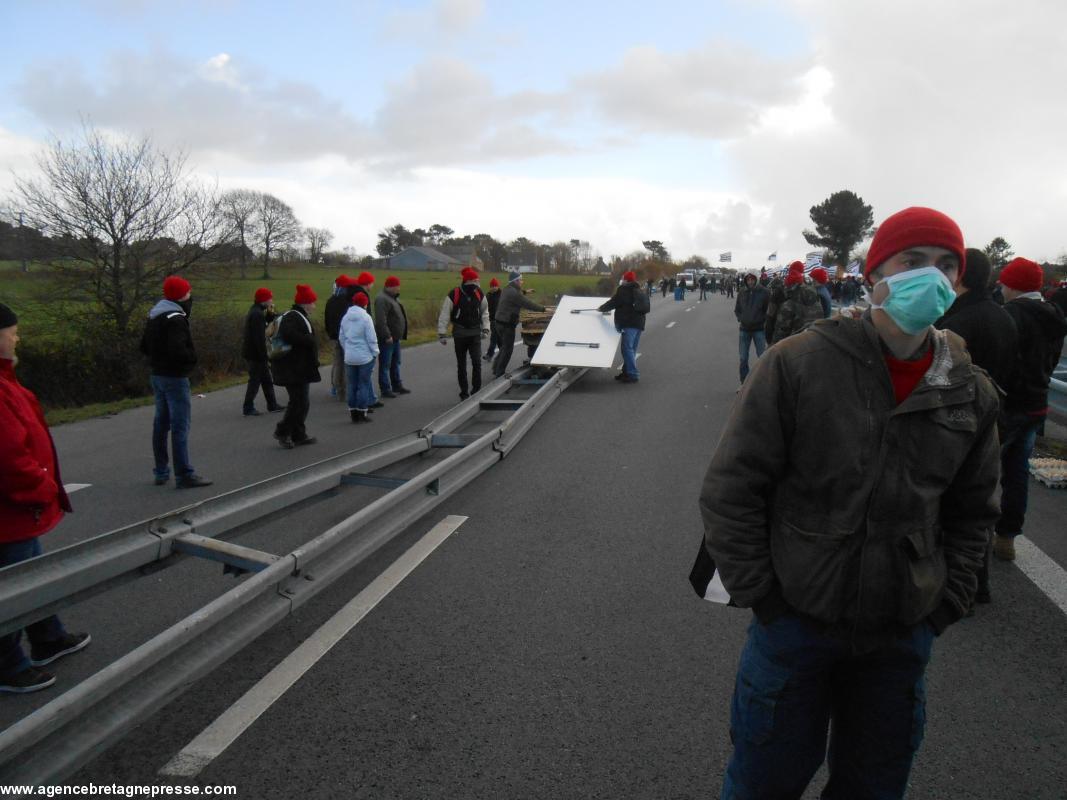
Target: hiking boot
[(620, 376), (359, 416), (191, 482), (29, 680), (48, 652), (284, 441), (628, 379), (402, 390), (1004, 547), (305, 440), (162, 481), (389, 394)]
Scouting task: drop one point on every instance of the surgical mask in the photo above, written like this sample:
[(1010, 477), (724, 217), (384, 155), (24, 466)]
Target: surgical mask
[(917, 298)]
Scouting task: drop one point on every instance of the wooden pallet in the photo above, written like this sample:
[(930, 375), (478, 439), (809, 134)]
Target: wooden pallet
[(1052, 472)]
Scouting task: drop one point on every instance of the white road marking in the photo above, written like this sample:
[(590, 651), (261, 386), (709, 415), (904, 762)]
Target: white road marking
[(671, 324), (1049, 576), (70, 488), (214, 739), (689, 309)]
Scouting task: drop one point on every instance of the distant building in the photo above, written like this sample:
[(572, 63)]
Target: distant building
[(523, 268), (600, 268), (429, 259)]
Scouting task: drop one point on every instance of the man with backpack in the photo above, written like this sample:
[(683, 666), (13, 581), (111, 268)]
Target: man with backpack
[(512, 301), (466, 308), (630, 305)]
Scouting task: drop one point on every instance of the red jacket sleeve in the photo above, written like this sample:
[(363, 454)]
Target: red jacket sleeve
[(23, 479)]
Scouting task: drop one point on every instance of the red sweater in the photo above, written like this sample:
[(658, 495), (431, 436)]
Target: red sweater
[(907, 374), (32, 499)]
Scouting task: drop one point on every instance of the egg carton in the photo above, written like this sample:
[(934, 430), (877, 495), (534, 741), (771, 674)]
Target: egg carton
[(1052, 472)]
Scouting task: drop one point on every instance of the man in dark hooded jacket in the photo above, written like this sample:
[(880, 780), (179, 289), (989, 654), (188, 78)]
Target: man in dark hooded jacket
[(751, 312), (336, 307), (254, 352), (630, 305), (1041, 328), (168, 343), (298, 368)]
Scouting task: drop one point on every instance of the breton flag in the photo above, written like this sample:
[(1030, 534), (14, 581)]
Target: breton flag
[(727, 256), (853, 268), (814, 259), (773, 256), (705, 578)]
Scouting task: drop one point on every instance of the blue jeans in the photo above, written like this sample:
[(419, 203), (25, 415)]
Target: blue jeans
[(389, 367), (747, 337), (173, 415), (794, 681), (12, 658), (1018, 431), (630, 338), (360, 386)]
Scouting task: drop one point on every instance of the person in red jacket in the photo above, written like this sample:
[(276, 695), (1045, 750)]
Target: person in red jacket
[(32, 502)]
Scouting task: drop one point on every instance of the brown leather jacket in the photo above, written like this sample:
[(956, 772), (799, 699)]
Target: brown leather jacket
[(825, 497)]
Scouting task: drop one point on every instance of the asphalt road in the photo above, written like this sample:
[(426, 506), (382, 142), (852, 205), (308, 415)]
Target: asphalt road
[(551, 647)]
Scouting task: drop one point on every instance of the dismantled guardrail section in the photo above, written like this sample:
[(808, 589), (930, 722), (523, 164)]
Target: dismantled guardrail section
[(58, 738)]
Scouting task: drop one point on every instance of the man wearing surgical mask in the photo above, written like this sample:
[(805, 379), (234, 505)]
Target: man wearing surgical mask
[(855, 536)]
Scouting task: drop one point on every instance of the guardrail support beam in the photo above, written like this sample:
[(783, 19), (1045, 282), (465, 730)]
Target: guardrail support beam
[(240, 559)]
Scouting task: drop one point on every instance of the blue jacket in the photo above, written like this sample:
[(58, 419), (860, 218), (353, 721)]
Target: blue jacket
[(357, 337)]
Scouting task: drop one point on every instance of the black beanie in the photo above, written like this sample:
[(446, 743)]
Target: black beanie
[(976, 278), (7, 317)]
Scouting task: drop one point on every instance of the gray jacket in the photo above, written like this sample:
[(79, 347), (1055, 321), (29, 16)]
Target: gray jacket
[(390, 321), (512, 300)]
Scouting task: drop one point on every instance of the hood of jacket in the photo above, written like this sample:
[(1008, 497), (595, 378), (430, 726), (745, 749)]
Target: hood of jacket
[(164, 307), (1047, 316)]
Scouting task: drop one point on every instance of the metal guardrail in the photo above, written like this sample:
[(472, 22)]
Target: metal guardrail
[(57, 739)]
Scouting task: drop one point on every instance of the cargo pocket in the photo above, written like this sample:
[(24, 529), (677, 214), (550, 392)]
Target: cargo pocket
[(760, 685)]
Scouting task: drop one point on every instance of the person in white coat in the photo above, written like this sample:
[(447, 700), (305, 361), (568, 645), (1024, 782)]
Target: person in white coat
[(360, 344)]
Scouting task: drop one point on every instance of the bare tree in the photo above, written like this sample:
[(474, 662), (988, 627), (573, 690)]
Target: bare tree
[(318, 240), (239, 207), (277, 226), (123, 215)]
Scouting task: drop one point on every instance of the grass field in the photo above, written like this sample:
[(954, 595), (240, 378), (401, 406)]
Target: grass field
[(218, 289)]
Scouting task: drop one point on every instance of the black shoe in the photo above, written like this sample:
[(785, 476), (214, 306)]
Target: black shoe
[(276, 409), (463, 395), (191, 482), (620, 376), (285, 442), (360, 416), (378, 404), (162, 481), (983, 595), (389, 394), (628, 379), (48, 652), (253, 413), (305, 440), (402, 390), (29, 680)]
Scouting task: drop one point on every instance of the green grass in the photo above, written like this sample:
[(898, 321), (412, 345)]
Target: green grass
[(218, 290)]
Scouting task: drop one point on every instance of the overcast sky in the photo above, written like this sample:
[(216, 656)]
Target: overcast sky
[(711, 125)]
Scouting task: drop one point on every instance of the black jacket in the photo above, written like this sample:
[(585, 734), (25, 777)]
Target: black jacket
[(301, 364), (988, 330), (750, 308), (168, 342), (493, 298), (254, 344), (336, 307), (1041, 330), (623, 303)]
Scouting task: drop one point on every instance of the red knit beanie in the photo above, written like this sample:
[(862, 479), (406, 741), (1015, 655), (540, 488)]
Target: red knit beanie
[(469, 274), (493, 282), (797, 266), (915, 227), (794, 277), (1022, 275), (364, 279), (360, 299), (819, 275), (263, 294), (630, 276), (392, 281), (304, 295), (175, 288), (341, 281)]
